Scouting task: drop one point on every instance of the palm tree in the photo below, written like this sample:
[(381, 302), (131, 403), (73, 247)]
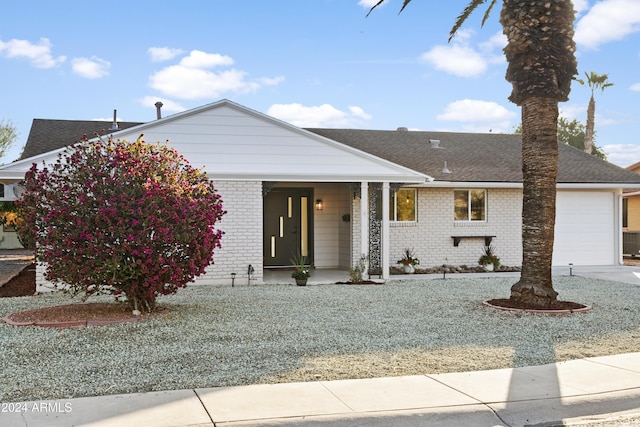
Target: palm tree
[(594, 81), (541, 60)]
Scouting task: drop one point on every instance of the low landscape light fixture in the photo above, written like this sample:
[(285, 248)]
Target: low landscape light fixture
[(570, 269), (319, 204), (233, 279)]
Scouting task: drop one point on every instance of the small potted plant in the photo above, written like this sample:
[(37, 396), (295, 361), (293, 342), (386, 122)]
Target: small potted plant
[(408, 261), (489, 260), (301, 271)]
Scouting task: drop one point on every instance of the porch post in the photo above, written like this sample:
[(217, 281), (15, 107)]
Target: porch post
[(364, 220), (385, 231)]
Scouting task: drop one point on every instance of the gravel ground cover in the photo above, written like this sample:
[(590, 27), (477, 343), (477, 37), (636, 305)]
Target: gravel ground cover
[(222, 336)]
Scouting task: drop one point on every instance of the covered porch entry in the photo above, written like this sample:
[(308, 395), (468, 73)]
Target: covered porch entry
[(332, 224), (312, 219)]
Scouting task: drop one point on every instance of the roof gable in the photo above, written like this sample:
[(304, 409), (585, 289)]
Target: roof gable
[(235, 142)]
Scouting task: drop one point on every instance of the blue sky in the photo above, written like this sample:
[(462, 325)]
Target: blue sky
[(313, 63)]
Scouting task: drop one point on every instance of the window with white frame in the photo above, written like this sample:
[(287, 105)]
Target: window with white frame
[(402, 206), (470, 205)]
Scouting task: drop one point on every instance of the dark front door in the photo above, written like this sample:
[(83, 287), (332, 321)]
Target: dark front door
[(288, 225)]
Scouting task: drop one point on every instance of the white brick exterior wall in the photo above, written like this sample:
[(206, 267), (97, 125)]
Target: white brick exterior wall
[(430, 235), (242, 241)]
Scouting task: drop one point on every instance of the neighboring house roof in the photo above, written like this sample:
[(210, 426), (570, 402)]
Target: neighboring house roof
[(474, 157), (48, 135), (634, 167)]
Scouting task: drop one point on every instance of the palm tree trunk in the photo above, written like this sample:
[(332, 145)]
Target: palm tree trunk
[(588, 135), (540, 170)]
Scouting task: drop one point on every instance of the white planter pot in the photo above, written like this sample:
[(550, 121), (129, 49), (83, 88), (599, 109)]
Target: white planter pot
[(408, 269), (488, 267)]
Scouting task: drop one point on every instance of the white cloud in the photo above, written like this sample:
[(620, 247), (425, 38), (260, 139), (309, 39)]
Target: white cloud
[(573, 111), (606, 21), (199, 59), (458, 58), (324, 115), (479, 116), (369, 3), (580, 5), (622, 154), (39, 54), (167, 104), (90, 68), (192, 83), (270, 81), (192, 79), (635, 87), (359, 112), (159, 54), (492, 48)]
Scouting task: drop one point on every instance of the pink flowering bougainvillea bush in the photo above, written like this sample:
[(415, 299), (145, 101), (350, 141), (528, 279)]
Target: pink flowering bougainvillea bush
[(124, 218)]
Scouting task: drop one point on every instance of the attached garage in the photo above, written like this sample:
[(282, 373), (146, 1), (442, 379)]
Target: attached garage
[(585, 232)]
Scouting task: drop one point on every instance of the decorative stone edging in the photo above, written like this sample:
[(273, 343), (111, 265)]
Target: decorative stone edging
[(68, 324), (535, 311)]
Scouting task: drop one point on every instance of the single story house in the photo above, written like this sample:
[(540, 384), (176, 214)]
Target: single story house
[(337, 194), (631, 217)]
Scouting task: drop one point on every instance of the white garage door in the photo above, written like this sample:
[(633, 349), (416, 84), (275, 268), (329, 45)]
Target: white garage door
[(585, 232)]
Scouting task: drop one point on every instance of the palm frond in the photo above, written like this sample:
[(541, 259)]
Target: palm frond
[(472, 6), (404, 4), (488, 12), (374, 6)]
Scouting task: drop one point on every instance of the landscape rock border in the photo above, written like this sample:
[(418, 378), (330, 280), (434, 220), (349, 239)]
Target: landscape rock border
[(91, 314), (583, 309)]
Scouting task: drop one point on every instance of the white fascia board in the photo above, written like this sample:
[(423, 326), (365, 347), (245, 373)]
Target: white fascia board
[(7, 179), (406, 179), (15, 172), (560, 186), (470, 184), (596, 186)]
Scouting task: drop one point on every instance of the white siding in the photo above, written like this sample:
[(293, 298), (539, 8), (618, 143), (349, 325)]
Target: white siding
[(230, 142)]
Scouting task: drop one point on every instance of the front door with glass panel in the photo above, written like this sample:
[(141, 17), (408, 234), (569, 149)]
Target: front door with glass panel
[(288, 228)]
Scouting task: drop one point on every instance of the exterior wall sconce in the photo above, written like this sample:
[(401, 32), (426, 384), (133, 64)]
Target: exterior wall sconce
[(319, 204)]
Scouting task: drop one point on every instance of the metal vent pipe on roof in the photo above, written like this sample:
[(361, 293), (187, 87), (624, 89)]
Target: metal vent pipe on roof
[(445, 169), (159, 109), (114, 125)]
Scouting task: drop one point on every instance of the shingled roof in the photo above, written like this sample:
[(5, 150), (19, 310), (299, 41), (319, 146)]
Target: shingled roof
[(473, 157), (48, 135)]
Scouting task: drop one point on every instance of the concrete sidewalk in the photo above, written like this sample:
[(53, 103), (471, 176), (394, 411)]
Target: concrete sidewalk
[(578, 392)]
